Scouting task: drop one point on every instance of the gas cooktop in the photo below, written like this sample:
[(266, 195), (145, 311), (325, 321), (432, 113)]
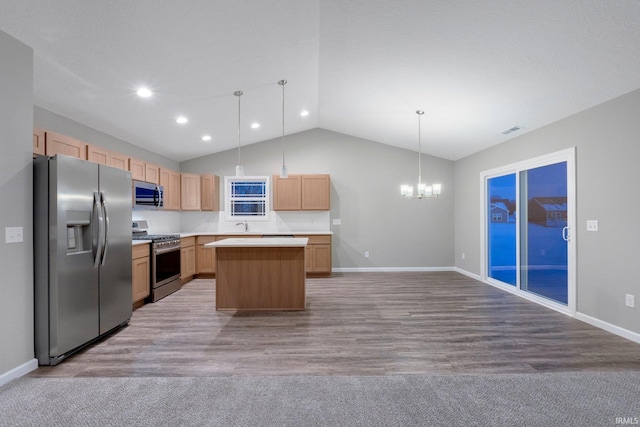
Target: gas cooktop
[(155, 237)]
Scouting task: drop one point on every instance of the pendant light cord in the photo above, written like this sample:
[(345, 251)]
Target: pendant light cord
[(419, 113), (282, 83), (238, 94)]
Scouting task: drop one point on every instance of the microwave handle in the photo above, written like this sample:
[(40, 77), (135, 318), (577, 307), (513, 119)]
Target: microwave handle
[(160, 197)]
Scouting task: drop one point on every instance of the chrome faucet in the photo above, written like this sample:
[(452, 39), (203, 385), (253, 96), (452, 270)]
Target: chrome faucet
[(246, 226)]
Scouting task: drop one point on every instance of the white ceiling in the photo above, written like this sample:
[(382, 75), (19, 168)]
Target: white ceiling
[(361, 67)]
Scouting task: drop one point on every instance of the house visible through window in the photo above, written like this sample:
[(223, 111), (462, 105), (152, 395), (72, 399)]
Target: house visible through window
[(247, 197)]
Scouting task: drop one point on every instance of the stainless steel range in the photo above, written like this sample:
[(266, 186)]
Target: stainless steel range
[(165, 260)]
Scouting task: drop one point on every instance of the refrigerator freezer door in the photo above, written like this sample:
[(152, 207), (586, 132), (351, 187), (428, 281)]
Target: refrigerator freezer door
[(73, 279), (115, 270)]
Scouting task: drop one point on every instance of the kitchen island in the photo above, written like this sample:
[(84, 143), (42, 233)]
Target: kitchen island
[(260, 273)]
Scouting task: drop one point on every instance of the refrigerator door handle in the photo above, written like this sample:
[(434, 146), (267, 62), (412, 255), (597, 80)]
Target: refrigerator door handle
[(103, 201), (100, 239)]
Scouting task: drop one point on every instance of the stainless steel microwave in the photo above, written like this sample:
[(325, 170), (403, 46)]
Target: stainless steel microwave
[(147, 196)]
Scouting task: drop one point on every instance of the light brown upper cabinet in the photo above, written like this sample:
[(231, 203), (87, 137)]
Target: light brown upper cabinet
[(316, 193), (152, 173), (61, 144), (301, 192), (170, 180), (190, 192), (38, 141), (210, 195), (97, 154), (103, 156), (137, 169), (118, 160), (287, 193)]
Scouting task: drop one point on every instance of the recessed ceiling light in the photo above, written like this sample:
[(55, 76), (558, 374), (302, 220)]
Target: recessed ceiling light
[(144, 92), (255, 125), (304, 113), (206, 138), (182, 120)]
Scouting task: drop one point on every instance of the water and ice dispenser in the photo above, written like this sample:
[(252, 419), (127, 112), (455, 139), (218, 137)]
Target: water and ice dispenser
[(78, 231)]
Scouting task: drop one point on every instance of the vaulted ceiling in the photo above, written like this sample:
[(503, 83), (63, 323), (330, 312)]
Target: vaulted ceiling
[(359, 67)]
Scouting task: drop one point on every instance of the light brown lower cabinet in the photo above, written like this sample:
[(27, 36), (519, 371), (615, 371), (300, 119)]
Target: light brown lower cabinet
[(318, 254), (205, 257), (141, 272), (187, 258)]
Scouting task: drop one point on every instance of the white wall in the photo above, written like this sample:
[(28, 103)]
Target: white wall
[(16, 182), (607, 141)]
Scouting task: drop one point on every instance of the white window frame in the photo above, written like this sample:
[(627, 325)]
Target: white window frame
[(229, 199)]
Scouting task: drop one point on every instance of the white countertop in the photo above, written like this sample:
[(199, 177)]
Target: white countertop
[(140, 242), (254, 233), (253, 242)]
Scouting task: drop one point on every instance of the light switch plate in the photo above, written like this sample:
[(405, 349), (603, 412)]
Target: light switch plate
[(13, 235), (630, 300), (337, 221), (592, 225)]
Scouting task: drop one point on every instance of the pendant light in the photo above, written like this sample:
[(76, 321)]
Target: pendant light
[(284, 173), (239, 167), (424, 191)]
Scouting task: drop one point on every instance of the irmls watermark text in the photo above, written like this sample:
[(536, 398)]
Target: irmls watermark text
[(629, 421)]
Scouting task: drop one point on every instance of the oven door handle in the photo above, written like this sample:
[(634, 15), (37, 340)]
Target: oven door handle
[(159, 251)]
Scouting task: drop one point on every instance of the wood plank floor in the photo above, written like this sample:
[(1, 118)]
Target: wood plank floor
[(355, 324)]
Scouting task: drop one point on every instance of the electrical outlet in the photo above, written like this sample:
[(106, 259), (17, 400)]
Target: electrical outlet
[(366, 254), (13, 235), (592, 225), (463, 256), (630, 300), (337, 221)]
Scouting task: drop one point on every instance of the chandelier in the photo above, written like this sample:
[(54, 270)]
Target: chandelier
[(424, 191)]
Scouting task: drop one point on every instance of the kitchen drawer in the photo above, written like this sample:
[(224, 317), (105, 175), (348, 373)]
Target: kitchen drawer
[(185, 242), (139, 251)]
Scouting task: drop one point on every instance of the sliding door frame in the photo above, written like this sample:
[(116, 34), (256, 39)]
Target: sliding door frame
[(568, 156)]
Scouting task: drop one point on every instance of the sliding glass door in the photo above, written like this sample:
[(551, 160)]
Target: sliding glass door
[(528, 213), (543, 232)]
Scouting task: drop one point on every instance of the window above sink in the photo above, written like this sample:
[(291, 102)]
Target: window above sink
[(247, 198)]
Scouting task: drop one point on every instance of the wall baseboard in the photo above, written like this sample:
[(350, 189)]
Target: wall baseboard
[(19, 371), (389, 269), (467, 273), (617, 330)]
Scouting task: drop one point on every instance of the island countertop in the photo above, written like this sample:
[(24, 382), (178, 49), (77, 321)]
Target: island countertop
[(258, 242)]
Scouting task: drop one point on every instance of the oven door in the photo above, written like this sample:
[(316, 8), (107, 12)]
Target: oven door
[(166, 265)]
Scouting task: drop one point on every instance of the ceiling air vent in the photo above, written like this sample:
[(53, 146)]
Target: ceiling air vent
[(511, 130)]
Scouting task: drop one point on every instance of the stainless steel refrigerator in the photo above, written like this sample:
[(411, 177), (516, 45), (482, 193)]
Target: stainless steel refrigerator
[(82, 249)]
